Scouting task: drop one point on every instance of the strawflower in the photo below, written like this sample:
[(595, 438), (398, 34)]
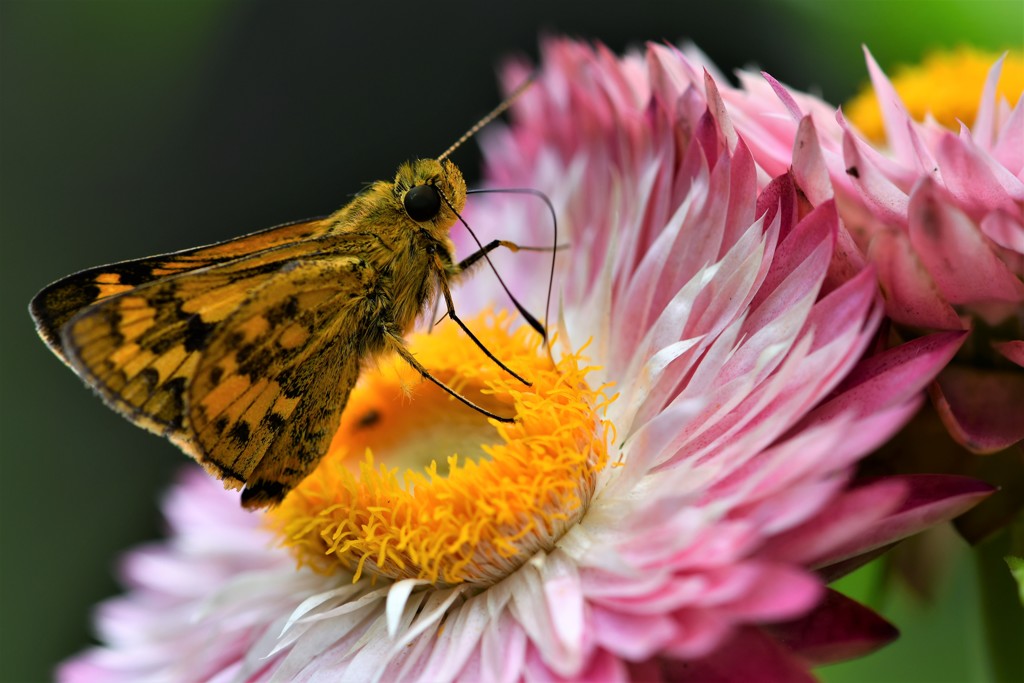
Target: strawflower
[(932, 194), (678, 486)]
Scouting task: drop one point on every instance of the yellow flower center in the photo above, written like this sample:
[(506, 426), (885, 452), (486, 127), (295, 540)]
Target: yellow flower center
[(417, 485), (946, 84)]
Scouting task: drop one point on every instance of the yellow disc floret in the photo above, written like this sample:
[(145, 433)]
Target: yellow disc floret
[(417, 485), (946, 85)]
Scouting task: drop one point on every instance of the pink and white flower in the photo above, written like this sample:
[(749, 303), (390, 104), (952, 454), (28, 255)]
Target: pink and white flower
[(940, 214), (723, 386)]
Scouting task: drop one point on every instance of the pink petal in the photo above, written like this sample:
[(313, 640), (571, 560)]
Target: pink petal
[(503, 648), (717, 107), (809, 165), (799, 264), (631, 636), (781, 592), (911, 296), (742, 195), (699, 632), (1009, 147), (1005, 230), (603, 667), (982, 409), (838, 629), (959, 259), (932, 498), (877, 188), (891, 377), (974, 178), (1011, 350), (787, 99), (894, 114), (748, 656), (985, 126), (565, 603), (849, 518)]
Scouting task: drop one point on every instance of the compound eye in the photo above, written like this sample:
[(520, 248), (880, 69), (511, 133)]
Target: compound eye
[(422, 203)]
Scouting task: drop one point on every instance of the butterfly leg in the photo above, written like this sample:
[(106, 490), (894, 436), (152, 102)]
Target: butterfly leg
[(447, 294), (456, 270), (475, 257), (398, 346)]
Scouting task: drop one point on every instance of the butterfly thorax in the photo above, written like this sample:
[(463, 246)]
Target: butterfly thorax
[(403, 257)]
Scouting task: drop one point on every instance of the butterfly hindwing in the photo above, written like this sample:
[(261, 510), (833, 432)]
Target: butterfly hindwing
[(273, 380)]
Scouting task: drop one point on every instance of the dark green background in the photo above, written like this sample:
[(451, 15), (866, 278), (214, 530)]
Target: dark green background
[(132, 128)]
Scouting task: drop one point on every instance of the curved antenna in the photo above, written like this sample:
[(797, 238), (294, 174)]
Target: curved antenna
[(533, 322), (554, 242), (495, 113)]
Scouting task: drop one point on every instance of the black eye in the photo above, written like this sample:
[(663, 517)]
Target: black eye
[(422, 203)]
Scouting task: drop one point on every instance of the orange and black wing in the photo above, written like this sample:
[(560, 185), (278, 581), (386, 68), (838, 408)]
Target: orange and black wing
[(57, 303), (270, 387), (180, 354)]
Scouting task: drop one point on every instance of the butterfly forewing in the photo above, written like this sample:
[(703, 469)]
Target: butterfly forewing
[(55, 305)]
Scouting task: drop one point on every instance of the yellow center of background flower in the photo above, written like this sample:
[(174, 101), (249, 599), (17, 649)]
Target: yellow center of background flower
[(947, 85), (417, 485)]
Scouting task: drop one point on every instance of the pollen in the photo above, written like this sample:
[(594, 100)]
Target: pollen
[(947, 85), (418, 485)]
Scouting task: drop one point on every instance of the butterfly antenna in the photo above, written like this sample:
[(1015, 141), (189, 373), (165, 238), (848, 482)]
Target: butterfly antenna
[(527, 316), (495, 113)]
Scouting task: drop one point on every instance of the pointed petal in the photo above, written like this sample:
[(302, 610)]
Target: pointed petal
[(891, 377), (838, 629), (932, 498), (876, 187), (396, 599), (1006, 231), (894, 114), (809, 165), (974, 178), (829, 538)]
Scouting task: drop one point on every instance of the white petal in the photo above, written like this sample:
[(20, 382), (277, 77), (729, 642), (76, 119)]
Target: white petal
[(397, 596)]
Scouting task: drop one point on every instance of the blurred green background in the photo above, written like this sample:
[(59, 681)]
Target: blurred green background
[(131, 128)]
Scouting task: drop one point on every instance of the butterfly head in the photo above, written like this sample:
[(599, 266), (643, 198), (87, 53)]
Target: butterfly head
[(431, 192)]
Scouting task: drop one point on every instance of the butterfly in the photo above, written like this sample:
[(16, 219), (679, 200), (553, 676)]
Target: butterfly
[(243, 353)]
